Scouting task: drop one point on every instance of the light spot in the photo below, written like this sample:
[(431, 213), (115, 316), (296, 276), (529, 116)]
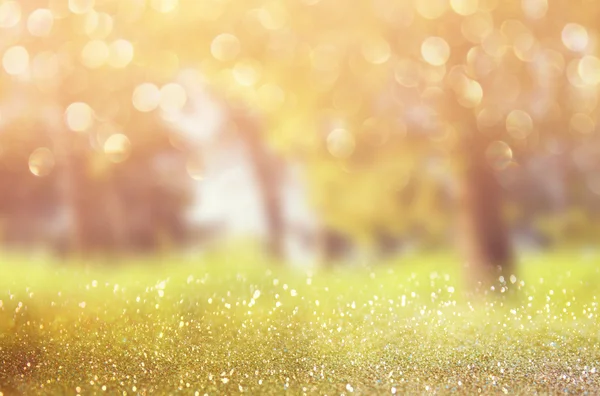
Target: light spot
[(575, 37), (499, 155), (589, 70), (79, 117), (247, 72), (519, 124), (477, 27), (464, 7), (349, 388), (16, 60), (40, 22), (117, 147), (41, 162), (406, 73), (273, 15), (120, 53), (164, 6), (172, 98), (431, 9), (10, 14), (341, 143), (256, 294), (195, 169), (270, 97), (146, 97), (582, 123), (81, 6), (225, 47), (376, 50), (95, 54), (534, 9), (435, 51)]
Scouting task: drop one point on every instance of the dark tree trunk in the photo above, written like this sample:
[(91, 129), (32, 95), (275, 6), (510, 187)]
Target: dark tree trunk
[(483, 232), (267, 169)]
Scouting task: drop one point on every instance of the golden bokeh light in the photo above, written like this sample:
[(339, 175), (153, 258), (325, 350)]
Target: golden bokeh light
[(469, 93), (41, 162), (247, 72), (273, 16), (435, 51), (341, 143), (40, 22), (225, 47), (117, 147), (16, 60), (534, 9), (499, 155), (519, 124), (10, 14), (270, 97), (195, 167), (582, 123), (98, 25), (45, 66), (589, 70), (120, 53), (464, 7), (575, 37), (146, 97), (431, 9), (79, 117), (477, 27), (376, 50), (406, 73), (488, 117), (95, 54), (81, 6), (172, 98), (164, 6)]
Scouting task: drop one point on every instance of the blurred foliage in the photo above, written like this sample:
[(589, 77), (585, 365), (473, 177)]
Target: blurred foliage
[(378, 100)]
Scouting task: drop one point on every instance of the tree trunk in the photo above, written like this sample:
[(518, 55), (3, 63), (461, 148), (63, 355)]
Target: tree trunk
[(483, 232)]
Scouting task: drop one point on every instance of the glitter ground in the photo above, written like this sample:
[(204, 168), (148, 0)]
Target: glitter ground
[(225, 324)]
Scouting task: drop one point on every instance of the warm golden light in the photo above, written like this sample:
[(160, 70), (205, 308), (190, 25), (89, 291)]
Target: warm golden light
[(120, 53), (95, 54), (117, 147), (575, 37), (40, 22), (10, 14), (376, 50), (582, 123), (16, 60), (589, 70), (164, 6), (435, 51), (247, 72), (464, 7), (146, 97), (41, 162), (341, 143), (534, 9), (225, 47), (81, 6), (431, 9), (172, 98), (519, 124), (499, 155), (79, 117), (406, 73)]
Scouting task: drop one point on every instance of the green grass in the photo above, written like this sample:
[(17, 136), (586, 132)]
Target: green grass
[(228, 323)]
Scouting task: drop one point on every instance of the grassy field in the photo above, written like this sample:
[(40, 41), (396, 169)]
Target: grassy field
[(230, 323)]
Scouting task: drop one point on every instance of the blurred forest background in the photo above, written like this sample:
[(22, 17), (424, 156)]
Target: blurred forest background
[(325, 130)]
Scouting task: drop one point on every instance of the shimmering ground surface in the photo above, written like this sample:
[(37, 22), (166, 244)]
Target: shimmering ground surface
[(223, 325)]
